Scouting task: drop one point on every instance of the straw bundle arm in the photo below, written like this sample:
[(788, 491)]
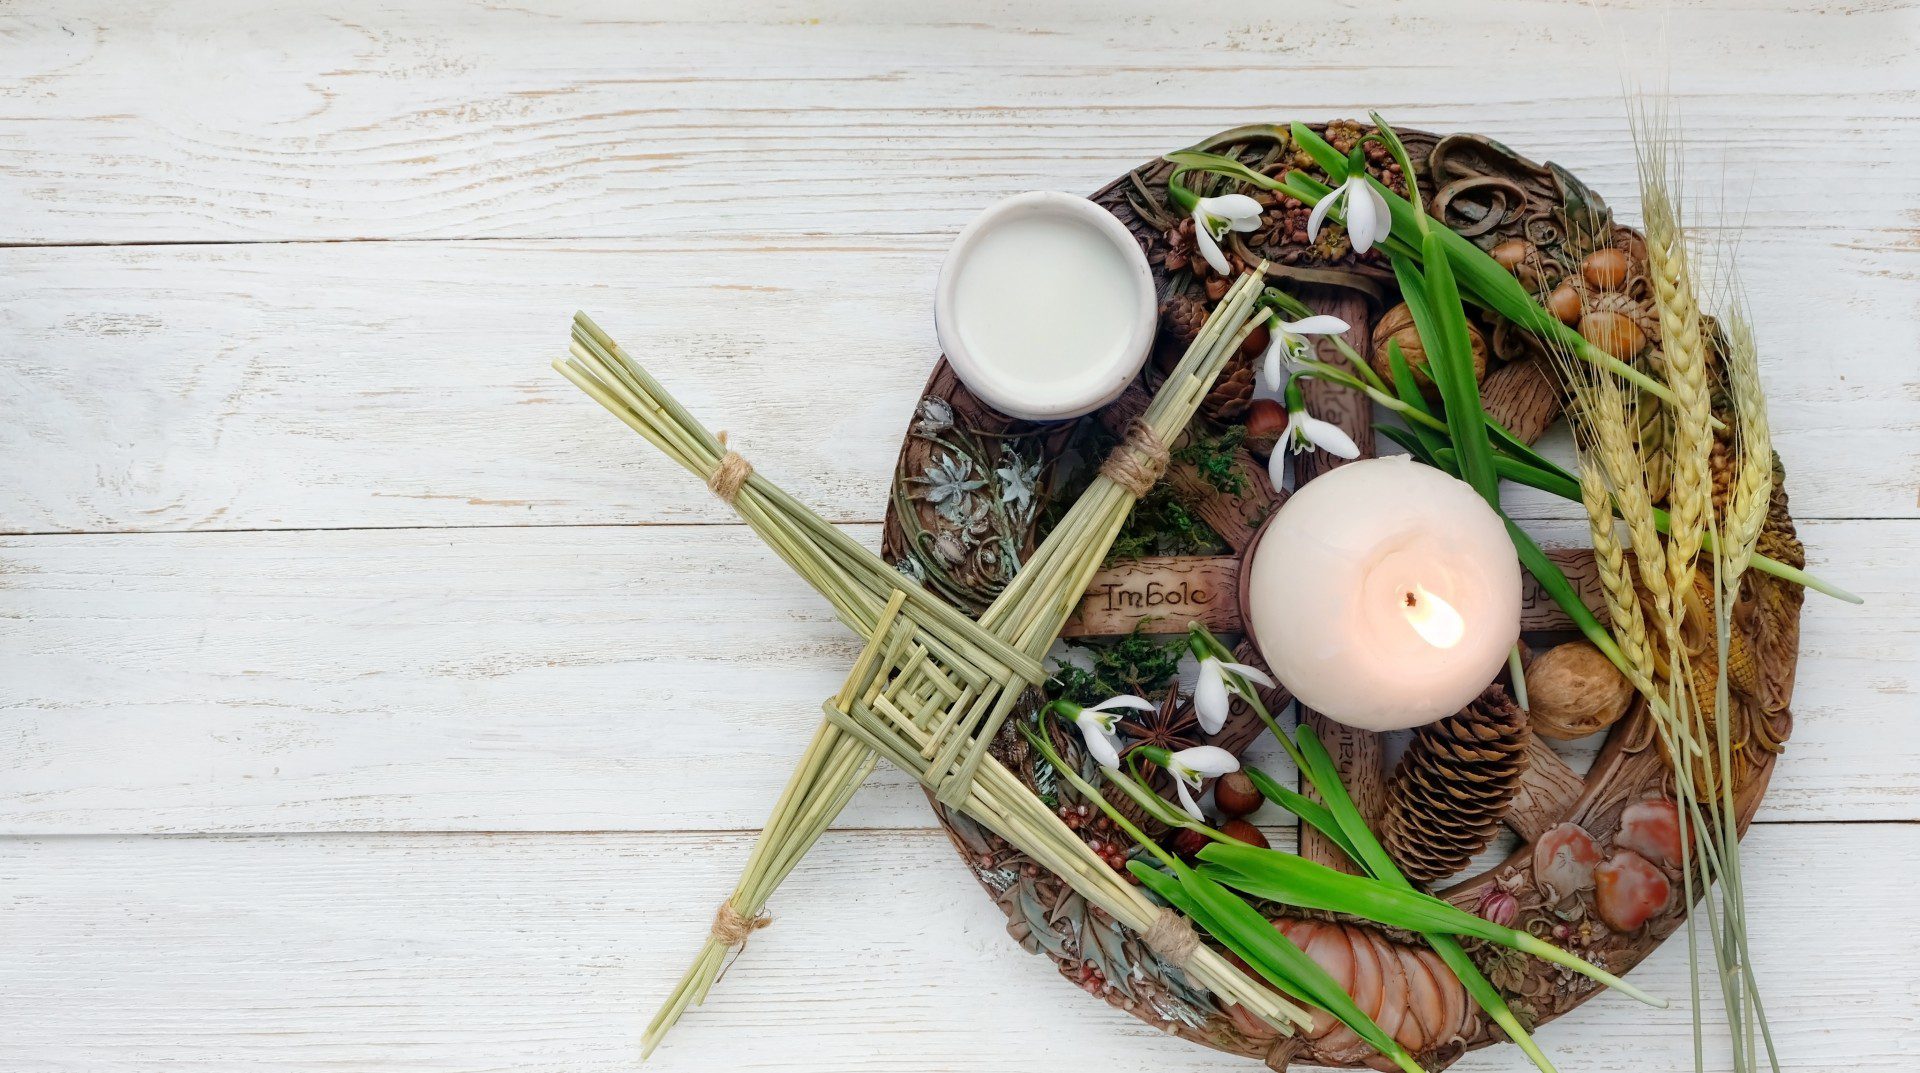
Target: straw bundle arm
[(931, 688)]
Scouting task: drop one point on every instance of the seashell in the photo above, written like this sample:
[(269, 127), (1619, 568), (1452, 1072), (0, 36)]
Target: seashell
[(1629, 891), (1563, 861)]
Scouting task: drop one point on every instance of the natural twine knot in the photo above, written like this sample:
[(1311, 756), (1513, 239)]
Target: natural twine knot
[(1172, 937), (730, 475), (731, 927), (1138, 462)]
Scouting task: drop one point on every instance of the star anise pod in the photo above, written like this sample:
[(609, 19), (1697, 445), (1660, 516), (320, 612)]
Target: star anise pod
[(1173, 726)]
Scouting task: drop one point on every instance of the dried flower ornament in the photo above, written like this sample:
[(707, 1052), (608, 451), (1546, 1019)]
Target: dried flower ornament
[(1287, 343), (1213, 217), (1367, 217)]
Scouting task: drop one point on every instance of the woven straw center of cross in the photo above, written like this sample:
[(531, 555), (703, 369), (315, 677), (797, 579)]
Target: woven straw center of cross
[(931, 688)]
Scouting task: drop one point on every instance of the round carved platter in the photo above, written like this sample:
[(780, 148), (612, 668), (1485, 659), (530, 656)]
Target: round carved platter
[(974, 490)]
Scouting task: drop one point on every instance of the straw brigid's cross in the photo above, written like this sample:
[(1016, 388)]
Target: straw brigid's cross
[(931, 687)]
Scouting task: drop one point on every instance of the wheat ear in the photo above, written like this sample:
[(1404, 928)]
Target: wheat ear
[(1683, 351), (1624, 613), (1617, 450), (1753, 484)]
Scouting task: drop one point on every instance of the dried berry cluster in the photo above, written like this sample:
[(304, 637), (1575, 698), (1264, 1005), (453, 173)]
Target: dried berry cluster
[(1100, 835)]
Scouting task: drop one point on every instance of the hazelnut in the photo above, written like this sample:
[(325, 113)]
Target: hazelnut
[(1266, 420), (1235, 794), (1651, 828), (1188, 843), (1605, 269), (1563, 861), (1564, 303), (1615, 333), (1255, 342), (1629, 891), (1242, 831)]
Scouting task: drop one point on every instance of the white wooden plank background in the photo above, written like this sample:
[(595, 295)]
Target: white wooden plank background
[(368, 700)]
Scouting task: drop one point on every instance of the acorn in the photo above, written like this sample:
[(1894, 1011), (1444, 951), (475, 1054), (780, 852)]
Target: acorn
[(1564, 303), (1605, 269), (1512, 253), (1235, 795), (1615, 333), (1242, 831)]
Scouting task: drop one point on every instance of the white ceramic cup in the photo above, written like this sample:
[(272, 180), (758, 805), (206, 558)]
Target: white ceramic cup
[(1106, 374)]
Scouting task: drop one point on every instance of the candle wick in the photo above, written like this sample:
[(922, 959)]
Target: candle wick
[(1412, 601)]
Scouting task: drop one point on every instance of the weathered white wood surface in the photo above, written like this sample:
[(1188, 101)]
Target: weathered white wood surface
[(308, 385), (448, 775), (595, 678), (470, 953)]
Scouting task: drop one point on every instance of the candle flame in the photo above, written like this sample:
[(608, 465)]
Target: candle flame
[(1434, 619)]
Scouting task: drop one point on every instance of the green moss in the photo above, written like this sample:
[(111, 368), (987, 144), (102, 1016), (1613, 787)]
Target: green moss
[(1216, 459), (1139, 663)]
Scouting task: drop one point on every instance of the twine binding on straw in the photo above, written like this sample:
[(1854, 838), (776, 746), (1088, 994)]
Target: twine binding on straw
[(730, 475), (732, 927), (1172, 937), (1138, 462)]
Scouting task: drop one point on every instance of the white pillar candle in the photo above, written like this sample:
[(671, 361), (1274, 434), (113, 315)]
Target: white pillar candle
[(1045, 306), (1385, 594)]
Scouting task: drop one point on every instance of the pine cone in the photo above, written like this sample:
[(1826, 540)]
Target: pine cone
[(1182, 314), (1232, 394), (1452, 788)]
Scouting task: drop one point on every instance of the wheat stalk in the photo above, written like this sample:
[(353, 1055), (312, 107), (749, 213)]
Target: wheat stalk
[(1730, 530)]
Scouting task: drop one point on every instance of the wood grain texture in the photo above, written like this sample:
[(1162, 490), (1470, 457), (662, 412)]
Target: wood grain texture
[(406, 384), (151, 120), (1549, 786), (485, 954), (591, 678)]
